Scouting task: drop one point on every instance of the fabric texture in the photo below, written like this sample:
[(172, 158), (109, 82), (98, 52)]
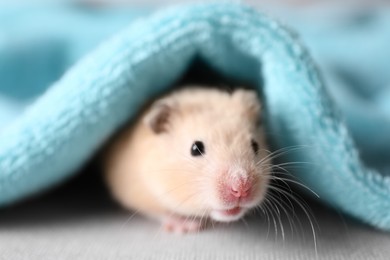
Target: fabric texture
[(65, 126)]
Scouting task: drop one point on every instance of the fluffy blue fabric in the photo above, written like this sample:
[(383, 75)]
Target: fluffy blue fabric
[(60, 130)]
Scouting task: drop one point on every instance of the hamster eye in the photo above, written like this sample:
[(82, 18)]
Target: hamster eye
[(197, 148), (255, 146)]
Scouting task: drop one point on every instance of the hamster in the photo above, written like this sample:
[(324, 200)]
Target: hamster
[(197, 153)]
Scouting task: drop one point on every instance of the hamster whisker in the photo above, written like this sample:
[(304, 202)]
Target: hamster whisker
[(289, 164), (245, 223), (279, 218), (284, 179), (294, 215), (305, 208), (282, 171), (296, 163), (204, 157), (202, 217), (290, 217), (297, 183), (286, 172), (280, 152), (272, 185), (268, 158), (267, 216), (282, 205), (128, 219), (267, 206)]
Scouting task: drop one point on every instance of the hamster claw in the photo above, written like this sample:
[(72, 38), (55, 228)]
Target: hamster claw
[(182, 225)]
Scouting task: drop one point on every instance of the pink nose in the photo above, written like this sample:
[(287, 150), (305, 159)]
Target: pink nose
[(240, 189)]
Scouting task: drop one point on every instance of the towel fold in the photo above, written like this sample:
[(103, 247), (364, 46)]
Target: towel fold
[(68, 122)]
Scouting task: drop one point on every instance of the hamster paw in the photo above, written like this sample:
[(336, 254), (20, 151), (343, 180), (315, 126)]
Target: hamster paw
[(181, 225)]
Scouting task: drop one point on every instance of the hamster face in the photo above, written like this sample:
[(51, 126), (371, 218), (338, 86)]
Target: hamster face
[(214, 153)]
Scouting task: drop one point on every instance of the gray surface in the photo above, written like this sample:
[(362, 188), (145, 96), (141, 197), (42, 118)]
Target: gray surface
[(78, 222)]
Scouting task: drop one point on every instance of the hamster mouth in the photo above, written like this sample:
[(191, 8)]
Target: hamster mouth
[(228, 215), (231, 212)]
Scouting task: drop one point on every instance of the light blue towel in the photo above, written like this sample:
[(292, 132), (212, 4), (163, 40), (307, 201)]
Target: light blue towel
[(60, 130)]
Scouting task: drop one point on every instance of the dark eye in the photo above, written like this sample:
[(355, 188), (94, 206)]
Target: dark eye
[(255, 146), (197, 148)]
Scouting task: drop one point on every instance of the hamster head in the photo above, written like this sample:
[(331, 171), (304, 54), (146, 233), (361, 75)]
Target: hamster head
[(210, 154)]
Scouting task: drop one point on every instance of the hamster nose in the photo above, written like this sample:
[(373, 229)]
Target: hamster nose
[(240, 189)]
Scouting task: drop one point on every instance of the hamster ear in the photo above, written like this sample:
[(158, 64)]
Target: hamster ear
[(157, 118), (250, 102)]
